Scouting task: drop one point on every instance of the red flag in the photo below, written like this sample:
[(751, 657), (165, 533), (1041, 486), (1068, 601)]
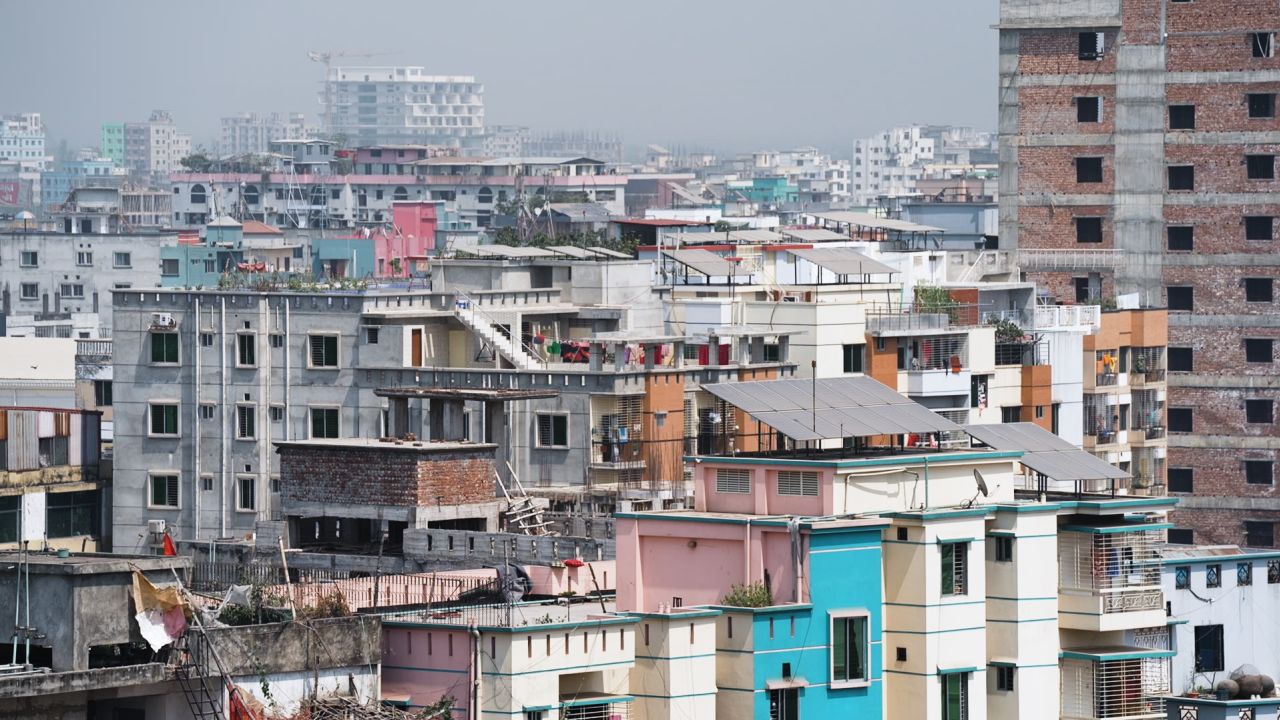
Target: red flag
[(169, 549)]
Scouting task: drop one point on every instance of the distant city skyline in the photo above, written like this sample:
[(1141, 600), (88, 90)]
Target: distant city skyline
[(731, 78)]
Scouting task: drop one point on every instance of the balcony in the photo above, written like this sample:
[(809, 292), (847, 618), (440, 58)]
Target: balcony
[(1109, 578), (1049, 317), (1114, 683), (933, 383), (907, 319)]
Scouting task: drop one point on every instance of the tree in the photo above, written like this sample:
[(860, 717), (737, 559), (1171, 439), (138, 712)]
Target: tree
[(196, 162)]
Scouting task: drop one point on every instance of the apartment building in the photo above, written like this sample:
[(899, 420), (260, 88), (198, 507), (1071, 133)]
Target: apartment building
[(253, 133), (405, 105), (889, 163), (1135, 160), (53, 482), (22, 140), (1020, 577), (148, 149)]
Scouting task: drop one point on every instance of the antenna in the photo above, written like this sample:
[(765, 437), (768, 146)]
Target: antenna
[(982, 487)]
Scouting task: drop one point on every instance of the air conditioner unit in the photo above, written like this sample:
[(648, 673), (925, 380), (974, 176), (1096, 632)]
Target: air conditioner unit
[(155, 527), (163, 321)]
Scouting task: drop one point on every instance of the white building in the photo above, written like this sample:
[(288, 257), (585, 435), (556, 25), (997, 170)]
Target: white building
[(253, 133), (505, 140), (155, 147), (22, 140), (383, 105), (888, 163)]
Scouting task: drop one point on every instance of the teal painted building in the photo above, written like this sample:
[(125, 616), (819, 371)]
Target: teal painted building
[(112, 144), (342, 257), (196, 265)]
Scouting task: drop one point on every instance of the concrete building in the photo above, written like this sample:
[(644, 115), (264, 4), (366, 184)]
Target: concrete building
[(888, 164), (402, 105), (112, 143), (507, 141), (559, 143), (152, 149), (1220, 598), (22, 139), (253, 133), (1033, 593), (54, 485), (1134, 160)]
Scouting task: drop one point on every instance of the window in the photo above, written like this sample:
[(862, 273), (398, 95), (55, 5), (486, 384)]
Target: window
[(1258, 227), (371, 335), (102, 393), (246, 420), (1088, 109), (1182, 536), (1258, 289), (1260, 534), (1004, 549), (246, 350), (954, 571), (553, 430), (1088, 229), (164, 491), (1182, 177), (206, 483), (1273, 567), (1260, 167), (1259, 411), (1261, 105), (10, 512), (1180, 297), (197, 194), (277, 413), (955, 696), (72, 291), (1182, 577), (1208, 648), (207, 411), (1004, 678), (1258, 350), (1181, 480), (164, 419), (53, 451), (1181, 238), (1179, 359), (324, 351), (1262, 44), (30, 291), (71, 514), (1011, 414), (1244, 574), (324, 423), (1213, 576), (206, 339), (849, 650), (1091, 45), (164, 348), (169, 266), (1259, 472), (853, 358), (784, 704), (1180, 419), (84, 259), (1182, 117), (246, 493), (733, 481), (29, 258), (1088, 169), (794, 482), (122, 260)]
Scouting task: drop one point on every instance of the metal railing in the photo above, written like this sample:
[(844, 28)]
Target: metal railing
[(1114, 690), (1054, 316), (907, 317), (1123, 568), (1047, 260)]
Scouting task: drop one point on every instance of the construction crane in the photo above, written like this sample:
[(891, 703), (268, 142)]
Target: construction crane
[(327, 57)]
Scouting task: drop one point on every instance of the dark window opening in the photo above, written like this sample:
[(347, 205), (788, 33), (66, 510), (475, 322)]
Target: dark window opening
[(1181, 480), (1088, 169), (1182, 117), (1258, 227), (1088, 109), (1258, 350), (1258, 289), (1181, 238), (1180, 297), (1088, 229), (1262, 105), (1259, 472), (1182, 177), (1259, 411), (1260, 167), (1180, 419)]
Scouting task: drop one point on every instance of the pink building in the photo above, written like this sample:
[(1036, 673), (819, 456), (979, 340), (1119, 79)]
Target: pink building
[(411, 237)]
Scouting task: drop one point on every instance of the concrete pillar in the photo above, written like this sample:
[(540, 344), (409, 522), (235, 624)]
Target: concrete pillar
[(447, 420), (398, 417)]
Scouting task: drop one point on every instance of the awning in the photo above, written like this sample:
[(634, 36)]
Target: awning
[(813, 235), (703, 261), (844, 261), (830, 408), (606, 252), (1046, 453), (786, 683), (508, 251)]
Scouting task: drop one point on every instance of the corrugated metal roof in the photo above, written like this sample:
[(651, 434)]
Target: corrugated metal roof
[(830, 408), (755, 237), (843, 261), (1046, 453), (876, 223), (508, 251), (814, 235), (703, 261), (606, 252), (573, 252)]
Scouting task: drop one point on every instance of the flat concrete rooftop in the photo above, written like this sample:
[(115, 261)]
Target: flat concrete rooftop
[(91, 563)]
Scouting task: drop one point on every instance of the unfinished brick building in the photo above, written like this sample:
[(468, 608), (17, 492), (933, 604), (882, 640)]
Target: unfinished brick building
[(1138, 142)]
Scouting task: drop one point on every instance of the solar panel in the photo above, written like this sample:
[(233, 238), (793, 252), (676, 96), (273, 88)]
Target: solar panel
[(1046, 453)]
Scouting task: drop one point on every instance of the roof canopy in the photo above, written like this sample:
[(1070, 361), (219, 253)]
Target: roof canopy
[(1046, 453), (830, 408), (703, 261), (844, 261), (811, 235), (507, 251), (866, 220)]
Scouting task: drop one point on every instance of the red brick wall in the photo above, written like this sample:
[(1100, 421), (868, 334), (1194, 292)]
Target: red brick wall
[(1220, 527), (1053, 170), (1221, 168), (378, 476), (1051, 110), (1220, 411), (1220, 228), (1222, 107), (1057, 52), (1055, 227)]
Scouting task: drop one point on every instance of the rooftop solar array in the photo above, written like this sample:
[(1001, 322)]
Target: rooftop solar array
[(1046, 453), (703, 261), (832, 408), (843, 261)]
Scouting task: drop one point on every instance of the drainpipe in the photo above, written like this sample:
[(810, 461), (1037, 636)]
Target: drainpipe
[(195, 425), (288, 424), (226, 430), (926, 482), (475, 670), (793, 528)]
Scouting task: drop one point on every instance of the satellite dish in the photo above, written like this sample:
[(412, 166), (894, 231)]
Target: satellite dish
[(982, 484)]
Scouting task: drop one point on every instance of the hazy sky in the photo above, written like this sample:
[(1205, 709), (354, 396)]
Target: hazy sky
[(730, 75)]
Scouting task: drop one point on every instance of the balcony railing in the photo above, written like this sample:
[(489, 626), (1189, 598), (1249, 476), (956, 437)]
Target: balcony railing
[(1121, 567), (907, 318), (1129, 689)]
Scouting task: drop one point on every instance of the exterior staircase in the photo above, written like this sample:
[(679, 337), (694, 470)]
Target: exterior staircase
[(486, 328), (523, 514)]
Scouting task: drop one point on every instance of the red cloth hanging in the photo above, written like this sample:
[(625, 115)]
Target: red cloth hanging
[(169, 549)]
